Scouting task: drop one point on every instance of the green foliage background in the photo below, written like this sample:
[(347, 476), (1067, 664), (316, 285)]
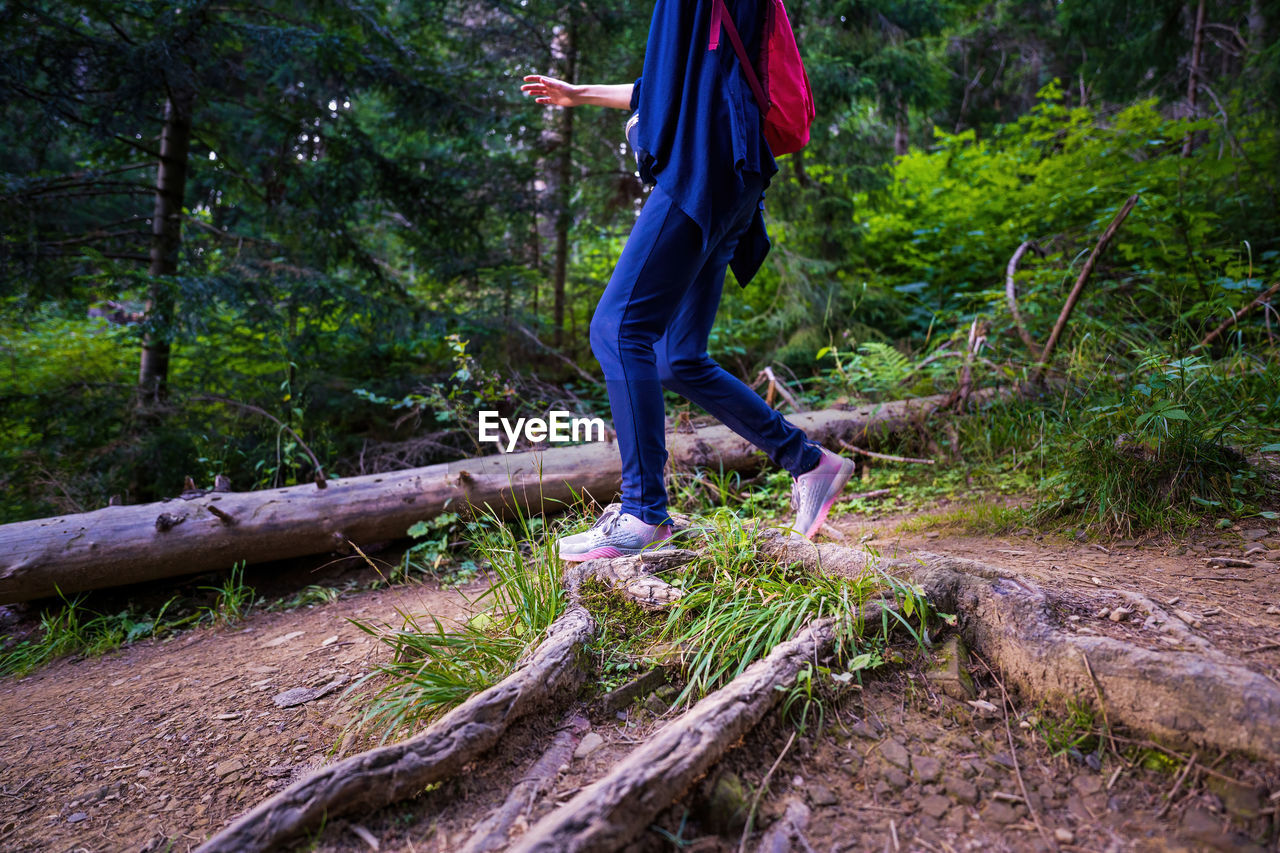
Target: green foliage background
[(368, 234)]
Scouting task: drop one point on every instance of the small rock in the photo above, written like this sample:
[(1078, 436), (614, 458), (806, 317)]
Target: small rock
[(1273, 611), (655, 704), (1253, 534), (1272, 555), (226, 768), (896, 754), (998, 811), (1241, 800), (950, 673), (935, 806), (1086, 784), (961, 790), (302, 695), (865, 729), (77, 817), (821, 795), (1120, 614), (281, 640), (1201, 825), (1064, 836), (932, 534), (727, 807), (895, 778), (927, 768), (589, 744), (1003, 759)]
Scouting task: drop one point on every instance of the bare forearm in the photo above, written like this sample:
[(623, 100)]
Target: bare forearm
[(617, 95)]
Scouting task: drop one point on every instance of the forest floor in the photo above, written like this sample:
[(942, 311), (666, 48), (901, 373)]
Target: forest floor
[(162, 743)]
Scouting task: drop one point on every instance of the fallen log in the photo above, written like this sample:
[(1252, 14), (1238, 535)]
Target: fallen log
[(385, 775), (119, 545)]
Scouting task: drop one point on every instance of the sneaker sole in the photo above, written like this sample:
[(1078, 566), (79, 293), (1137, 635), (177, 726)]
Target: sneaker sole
[(837, 486), (595, 554), (605, 552)]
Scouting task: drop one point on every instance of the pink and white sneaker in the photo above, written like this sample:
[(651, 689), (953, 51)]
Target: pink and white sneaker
[(814, 492), (615, 534)]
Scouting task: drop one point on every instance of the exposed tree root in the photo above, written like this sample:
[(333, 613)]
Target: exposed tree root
[(1194, 695), (492, 832), (382, 776), (612, 810), (1190, 693), (633, 577)]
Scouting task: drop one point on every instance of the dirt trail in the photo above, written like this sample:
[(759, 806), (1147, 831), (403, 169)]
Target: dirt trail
[(159, 745), (167, 740)]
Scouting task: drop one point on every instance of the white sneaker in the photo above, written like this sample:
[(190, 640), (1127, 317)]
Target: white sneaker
[(814, 492), (615, 534)]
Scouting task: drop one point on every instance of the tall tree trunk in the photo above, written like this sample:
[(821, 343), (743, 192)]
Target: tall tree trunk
[(1257, 26), (568, 58), (1193, 72), (166, 239), (901, 130)]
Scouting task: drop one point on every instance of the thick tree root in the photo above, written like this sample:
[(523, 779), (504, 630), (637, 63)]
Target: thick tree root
[(387, 774), (633, 577), (1194, 695), (1188, 694), (492, 832), (613, 809)]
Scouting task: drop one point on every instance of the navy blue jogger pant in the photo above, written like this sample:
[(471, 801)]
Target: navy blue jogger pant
[(650, 330)]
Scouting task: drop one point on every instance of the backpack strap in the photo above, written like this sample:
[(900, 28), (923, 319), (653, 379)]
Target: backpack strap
[(720, 17)]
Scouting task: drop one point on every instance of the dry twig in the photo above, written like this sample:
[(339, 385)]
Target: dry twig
[(1074, 296), (1013, 754), (755, 802), (855, 449), (1235, 318), (1011, 295)]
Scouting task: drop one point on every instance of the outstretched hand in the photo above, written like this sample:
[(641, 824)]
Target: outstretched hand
[(549, 90)]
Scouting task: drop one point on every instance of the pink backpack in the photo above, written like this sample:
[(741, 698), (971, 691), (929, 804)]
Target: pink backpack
[(777, 79)]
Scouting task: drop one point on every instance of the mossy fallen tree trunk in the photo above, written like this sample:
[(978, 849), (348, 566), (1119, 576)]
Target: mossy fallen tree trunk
[(120, 545)]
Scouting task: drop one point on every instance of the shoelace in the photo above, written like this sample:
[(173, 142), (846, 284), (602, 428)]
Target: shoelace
[(608, 521)]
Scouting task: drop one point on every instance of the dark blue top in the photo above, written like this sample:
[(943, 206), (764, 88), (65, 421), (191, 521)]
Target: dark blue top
[(700, 129)]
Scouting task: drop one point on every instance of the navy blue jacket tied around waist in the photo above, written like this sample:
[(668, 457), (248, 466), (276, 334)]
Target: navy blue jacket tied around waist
[(700, 128)]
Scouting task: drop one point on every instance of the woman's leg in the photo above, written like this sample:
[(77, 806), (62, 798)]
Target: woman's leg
[(685, 367), (662, 257)]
